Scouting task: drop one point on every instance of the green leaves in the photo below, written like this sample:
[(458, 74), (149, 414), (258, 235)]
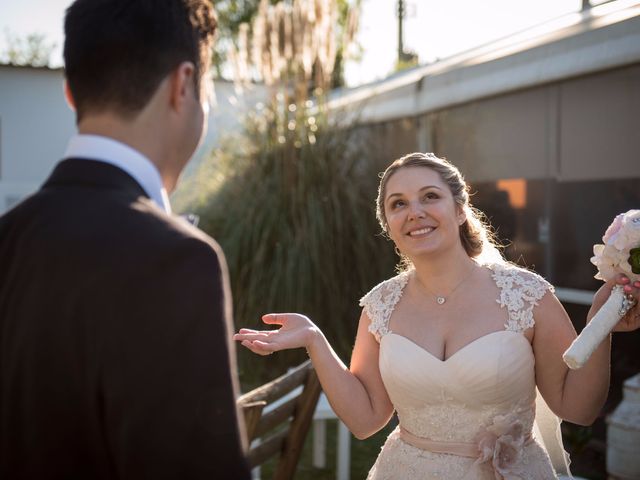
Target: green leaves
[(634, 260)]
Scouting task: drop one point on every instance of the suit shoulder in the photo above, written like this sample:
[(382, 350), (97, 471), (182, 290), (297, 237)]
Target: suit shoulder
[(170, 231)]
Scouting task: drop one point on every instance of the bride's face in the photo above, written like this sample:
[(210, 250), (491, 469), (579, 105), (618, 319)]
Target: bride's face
[(422, 216)]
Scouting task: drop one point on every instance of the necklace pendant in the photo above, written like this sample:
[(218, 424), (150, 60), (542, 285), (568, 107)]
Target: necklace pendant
[(440, 300)]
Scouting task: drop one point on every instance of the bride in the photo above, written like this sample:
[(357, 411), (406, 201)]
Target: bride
[(464, 346)]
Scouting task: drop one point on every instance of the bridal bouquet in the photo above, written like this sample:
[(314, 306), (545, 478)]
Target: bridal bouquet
[(619, 254)]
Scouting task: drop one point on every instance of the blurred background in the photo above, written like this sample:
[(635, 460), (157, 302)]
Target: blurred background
[(535, 101)]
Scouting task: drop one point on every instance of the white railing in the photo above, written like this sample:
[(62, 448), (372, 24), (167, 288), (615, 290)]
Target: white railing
[(572, 295)]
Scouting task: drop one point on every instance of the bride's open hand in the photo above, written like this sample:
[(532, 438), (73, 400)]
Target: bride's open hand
[(295, 331)]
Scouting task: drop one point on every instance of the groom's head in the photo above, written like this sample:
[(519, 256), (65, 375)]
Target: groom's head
[(134, 72), (117, 52)]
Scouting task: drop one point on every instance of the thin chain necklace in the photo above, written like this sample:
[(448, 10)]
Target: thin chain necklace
[(441, 299)]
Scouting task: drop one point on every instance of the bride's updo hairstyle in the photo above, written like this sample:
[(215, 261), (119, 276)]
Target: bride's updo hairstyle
[(475, 233)]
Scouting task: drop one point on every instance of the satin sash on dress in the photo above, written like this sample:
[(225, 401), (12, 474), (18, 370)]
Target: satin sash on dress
[(462, 449), (454, 448)]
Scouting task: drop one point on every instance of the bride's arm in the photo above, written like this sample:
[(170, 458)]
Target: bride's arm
[(573, 395), (356, 394)]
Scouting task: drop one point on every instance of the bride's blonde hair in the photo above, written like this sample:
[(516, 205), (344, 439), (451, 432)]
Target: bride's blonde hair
[(476, 235)]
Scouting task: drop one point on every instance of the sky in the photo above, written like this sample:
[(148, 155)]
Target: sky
[(434, 28)]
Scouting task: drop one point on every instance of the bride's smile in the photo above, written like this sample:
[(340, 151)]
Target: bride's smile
[(421, 231)]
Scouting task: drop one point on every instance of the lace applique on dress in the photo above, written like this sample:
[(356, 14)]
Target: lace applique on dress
[(520, 291), (380, 302)]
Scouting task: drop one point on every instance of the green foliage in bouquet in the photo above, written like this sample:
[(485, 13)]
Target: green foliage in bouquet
[(291, 202), (634, 260)]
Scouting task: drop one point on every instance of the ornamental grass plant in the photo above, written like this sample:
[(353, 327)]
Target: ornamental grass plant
[(291, 199), (293, 209)]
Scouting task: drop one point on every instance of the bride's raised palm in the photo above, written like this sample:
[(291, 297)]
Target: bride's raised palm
[(295, 331)]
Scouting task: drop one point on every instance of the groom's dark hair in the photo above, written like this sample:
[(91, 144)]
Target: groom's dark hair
[(117, 52)]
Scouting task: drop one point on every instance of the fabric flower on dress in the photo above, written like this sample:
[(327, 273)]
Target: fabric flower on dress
[(501, 444)]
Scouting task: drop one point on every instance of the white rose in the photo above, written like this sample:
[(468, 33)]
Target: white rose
[(609, 261)]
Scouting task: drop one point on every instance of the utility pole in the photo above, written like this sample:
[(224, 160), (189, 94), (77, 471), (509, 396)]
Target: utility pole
[(405, 10), (401, 12)]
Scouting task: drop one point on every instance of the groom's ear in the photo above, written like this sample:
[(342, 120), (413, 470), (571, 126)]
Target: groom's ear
[(182, 85), (69, 96)]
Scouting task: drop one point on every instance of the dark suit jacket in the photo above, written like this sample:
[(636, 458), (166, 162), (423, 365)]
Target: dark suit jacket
[(115, 357)]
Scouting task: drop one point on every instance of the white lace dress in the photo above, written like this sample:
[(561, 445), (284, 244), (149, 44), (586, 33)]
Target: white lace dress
[(472, 415)]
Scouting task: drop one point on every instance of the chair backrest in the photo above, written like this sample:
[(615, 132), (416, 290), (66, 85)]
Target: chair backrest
[(279, 413)]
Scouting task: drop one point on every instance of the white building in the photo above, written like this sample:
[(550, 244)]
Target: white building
[(36, 122)]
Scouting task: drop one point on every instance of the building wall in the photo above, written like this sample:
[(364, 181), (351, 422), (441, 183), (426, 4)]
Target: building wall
[(579, 129), (36, 123), (567, 150)]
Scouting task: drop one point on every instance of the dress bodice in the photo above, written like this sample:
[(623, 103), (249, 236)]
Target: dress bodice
[(487, 386), (453, 400)]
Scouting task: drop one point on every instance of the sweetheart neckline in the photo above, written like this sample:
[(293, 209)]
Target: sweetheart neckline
[(468, 345)]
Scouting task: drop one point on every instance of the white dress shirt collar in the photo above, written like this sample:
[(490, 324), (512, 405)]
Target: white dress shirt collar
[(104, 149)]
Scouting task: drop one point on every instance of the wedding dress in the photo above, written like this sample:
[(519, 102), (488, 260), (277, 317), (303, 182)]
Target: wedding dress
[(473, 415)]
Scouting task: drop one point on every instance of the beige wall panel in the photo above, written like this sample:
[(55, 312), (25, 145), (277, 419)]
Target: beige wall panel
[(510, 136), (600, 126), (387, 141)]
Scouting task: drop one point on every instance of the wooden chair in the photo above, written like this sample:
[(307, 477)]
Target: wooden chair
[(293, 416)]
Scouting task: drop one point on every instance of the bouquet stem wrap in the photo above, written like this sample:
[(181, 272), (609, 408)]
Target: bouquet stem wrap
[(597, 329), (620, 253)]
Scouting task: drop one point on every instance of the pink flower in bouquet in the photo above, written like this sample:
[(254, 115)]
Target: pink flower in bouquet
[(613, 229), (621, 250)]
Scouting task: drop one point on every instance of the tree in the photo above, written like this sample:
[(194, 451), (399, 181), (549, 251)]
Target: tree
[(231, 14), (267, 39), (33, 49)]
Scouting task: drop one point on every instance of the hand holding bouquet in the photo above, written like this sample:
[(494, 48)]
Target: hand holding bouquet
[(620, 254)]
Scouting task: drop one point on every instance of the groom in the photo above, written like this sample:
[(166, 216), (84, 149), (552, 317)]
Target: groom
[(115, 357)]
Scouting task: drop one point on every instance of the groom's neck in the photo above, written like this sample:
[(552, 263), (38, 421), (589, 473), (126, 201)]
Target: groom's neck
[(138, 133)]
